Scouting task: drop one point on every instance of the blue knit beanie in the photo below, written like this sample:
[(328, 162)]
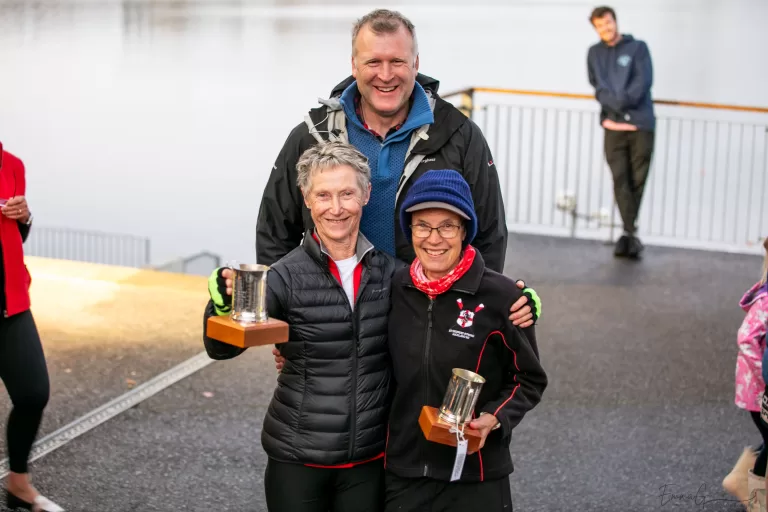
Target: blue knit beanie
[(449, 190)]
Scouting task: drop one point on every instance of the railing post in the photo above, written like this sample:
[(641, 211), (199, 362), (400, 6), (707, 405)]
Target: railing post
[(146, 252), (574, 219)]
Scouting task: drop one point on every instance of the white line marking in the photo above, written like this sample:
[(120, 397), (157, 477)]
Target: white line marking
[(111, 409)]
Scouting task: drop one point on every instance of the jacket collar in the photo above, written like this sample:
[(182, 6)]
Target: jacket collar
[(447, 118), (419, 114), (757, 291), (314, 246), (468, 283)]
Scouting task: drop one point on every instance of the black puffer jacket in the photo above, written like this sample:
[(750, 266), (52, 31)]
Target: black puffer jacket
[(332, 398)]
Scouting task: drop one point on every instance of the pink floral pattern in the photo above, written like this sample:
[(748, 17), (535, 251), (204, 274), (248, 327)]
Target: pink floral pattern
[(751, 342)]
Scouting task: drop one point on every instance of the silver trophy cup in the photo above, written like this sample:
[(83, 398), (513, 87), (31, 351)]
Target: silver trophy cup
[(461, 397), (249, 293)]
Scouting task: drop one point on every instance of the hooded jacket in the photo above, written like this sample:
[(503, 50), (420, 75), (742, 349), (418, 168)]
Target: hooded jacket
[(751, 342), (622, 76), (453, 141), (332, 397), (14, 277)]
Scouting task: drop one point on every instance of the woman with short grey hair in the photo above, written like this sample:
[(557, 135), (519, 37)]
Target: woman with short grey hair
[(332, 155), (325, 429)]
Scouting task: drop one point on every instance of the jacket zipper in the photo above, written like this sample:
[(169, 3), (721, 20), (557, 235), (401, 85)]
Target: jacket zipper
[(355, 331), (353, 398), (425, 365)]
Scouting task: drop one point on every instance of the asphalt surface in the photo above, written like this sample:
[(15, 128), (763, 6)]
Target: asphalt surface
[(640, 357)]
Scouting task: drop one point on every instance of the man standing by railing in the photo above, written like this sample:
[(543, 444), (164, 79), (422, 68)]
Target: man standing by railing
[(621, 72)]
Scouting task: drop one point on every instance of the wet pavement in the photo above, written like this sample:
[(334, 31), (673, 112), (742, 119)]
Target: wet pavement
[(106, 330), (640, 357)]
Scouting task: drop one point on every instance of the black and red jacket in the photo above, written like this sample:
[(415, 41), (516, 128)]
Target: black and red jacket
[(14, 278), (466, 327)]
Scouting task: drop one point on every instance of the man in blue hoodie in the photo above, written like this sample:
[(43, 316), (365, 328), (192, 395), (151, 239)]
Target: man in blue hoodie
[(620, 70)]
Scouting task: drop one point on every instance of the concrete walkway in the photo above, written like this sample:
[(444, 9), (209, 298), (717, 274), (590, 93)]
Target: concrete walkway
[(640, 357)]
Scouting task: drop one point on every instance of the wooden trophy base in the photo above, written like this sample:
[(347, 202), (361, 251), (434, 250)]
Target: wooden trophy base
[(439, 431), (224, 329)]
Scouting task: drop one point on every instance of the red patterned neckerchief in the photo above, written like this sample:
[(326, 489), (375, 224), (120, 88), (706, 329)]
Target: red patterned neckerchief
[(442, 285)]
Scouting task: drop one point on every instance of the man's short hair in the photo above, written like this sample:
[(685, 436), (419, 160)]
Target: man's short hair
[(328, 155), (384, 21), (599, 12)]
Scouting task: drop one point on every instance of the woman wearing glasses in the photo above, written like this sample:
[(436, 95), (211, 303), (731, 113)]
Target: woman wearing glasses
[(22, 362), (450, 311)]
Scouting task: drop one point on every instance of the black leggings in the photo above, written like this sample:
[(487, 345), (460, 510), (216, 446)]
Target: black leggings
[(297, 488), (427, 495), (23, 370), (762, 455)]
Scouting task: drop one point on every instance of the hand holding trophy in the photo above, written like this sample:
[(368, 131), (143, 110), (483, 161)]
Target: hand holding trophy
[(247, 324), (447, 425)]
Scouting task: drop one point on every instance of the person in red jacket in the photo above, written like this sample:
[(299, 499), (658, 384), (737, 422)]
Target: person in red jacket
[(22, 361)]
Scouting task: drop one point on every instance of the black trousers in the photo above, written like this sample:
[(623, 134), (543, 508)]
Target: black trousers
[(428, 495), (298, 488), (25, 375), (629, 156), (762, 456)]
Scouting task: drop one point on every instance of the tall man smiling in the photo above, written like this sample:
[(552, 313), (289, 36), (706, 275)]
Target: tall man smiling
[(394, 116)]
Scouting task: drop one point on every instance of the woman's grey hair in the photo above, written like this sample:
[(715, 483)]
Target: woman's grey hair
[(328, 155), (384, 21)]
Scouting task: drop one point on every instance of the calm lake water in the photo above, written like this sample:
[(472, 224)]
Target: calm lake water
[(162, 119)]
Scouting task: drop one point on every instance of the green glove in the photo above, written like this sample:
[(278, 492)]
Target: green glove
[(534, 299), (217, 289)]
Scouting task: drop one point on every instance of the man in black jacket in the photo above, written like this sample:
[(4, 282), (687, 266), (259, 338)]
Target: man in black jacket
[(394, 116), (621, 72)]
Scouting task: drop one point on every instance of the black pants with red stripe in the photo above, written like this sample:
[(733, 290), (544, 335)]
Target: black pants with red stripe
[(297, 488), (428, 495)]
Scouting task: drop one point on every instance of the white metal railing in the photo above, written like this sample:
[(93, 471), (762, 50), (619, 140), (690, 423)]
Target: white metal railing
[(707, 186)]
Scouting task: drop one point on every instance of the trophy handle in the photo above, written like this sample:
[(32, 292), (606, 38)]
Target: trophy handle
[(232, 265)]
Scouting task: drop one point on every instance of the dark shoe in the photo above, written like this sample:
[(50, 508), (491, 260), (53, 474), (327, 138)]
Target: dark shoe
[(622, 247), (41, 504), (635, 248)]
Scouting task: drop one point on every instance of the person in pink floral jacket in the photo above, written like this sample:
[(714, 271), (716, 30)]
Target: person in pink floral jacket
[(747, 480)]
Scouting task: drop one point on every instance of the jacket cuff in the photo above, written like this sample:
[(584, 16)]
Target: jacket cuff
[(503, 421)]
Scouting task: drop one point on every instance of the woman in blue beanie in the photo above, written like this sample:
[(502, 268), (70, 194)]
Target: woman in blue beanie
[(450, 311)]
